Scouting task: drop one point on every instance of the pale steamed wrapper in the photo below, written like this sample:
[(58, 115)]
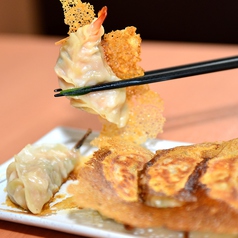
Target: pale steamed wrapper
[(81, 63), (37, 174)]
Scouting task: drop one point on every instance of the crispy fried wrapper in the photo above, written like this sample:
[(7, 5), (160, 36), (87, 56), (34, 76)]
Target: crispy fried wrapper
[(206, 213)]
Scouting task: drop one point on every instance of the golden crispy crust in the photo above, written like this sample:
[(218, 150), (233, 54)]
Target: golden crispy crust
[(207, 214), (170, 178), (119, 163), (221, 176), (122, 52)]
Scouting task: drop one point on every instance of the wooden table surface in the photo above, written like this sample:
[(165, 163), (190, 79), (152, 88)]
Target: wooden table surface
[(197, 109)]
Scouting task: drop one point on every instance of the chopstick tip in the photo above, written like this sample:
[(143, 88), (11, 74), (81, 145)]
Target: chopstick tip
[(58, 90), (58, 95)]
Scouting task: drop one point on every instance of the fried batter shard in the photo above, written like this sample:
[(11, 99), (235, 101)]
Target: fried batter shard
[(171, 178), (222, 173)]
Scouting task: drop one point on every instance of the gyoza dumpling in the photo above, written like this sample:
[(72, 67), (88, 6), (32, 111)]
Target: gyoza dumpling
[(37, 174), (82, 63)]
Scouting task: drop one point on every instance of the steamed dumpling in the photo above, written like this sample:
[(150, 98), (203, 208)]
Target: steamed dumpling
[(37, 174)]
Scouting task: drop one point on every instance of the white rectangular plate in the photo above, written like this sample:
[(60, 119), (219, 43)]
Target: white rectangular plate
[(75, 221)]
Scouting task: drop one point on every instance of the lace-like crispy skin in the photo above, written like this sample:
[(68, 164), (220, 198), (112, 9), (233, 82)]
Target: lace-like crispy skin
[(122, 52), (77, 14), (145, 117)]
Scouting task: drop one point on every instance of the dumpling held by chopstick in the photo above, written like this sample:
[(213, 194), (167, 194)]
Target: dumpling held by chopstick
[(81, 63), (88, 57)]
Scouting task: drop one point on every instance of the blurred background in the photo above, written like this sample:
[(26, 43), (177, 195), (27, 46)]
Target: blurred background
[(209, 21)]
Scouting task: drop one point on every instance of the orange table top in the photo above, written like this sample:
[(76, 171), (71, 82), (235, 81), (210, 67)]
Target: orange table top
[(197, 109)]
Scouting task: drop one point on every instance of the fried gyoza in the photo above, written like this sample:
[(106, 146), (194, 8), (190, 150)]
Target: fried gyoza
[(118, 163), (97, 190), (171, 177), (221, 178)]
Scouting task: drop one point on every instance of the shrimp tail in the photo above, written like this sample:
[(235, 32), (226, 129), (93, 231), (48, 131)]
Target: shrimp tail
[(102, 14)]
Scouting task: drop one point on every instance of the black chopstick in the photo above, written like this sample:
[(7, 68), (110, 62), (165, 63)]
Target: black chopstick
[(159, 75)]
